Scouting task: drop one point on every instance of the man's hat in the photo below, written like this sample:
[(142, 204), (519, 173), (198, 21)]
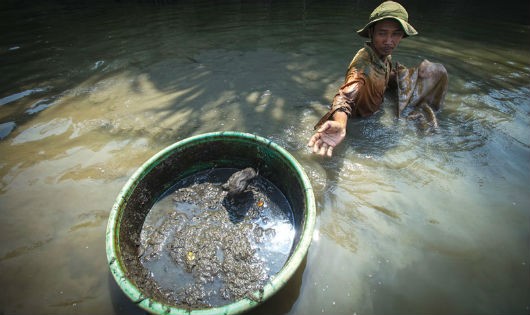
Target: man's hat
[(389, 10)]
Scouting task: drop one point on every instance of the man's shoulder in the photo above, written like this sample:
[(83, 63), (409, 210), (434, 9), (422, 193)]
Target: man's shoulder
[(362, 59), (362, 56)]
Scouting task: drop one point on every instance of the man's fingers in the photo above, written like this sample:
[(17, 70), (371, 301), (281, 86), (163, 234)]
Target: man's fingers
[(329, 152), (320, 147), (323, 149), (313, 139), (317, 146)]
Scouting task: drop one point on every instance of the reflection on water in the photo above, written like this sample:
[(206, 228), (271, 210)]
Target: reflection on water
[(407, 222)]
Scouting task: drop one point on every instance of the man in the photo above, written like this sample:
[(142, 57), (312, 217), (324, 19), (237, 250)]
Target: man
[(367, 77)]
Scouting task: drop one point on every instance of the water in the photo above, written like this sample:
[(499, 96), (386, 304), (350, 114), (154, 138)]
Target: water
[(192, 234), (407, 222)]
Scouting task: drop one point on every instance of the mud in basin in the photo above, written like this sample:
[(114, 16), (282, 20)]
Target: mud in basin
[(191, 232)]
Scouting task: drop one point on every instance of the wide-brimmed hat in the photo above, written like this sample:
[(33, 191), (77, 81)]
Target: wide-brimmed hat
[(389, 10)]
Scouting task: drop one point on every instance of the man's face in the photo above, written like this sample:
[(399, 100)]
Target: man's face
[(386, 35)]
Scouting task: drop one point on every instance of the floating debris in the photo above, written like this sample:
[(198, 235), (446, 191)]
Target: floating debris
[(239, 181), (203, 251)]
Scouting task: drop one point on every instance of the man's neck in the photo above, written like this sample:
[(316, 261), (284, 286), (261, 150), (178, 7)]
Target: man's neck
[(381, 57)]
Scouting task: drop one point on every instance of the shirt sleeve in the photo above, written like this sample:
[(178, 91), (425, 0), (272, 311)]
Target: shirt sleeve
[(346, 98)]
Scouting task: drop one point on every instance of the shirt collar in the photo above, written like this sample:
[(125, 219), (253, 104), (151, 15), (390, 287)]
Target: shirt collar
[(374, 58)]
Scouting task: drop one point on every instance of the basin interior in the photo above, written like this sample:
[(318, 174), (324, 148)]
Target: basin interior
[(188, 158)]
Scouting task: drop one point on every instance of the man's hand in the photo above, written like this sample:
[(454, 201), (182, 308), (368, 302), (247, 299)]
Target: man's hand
[(329, 135)]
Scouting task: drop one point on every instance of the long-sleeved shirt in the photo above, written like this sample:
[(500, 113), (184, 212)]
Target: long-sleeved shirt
[(364, 85)]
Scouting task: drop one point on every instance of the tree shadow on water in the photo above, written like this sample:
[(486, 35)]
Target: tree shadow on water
[(261, 91)]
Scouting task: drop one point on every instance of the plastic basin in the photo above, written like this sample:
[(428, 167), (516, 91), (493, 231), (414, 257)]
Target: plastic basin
[(182, 159)]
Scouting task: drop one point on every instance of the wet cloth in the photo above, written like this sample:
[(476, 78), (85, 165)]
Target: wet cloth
[(423, 88), (425, 84), (364, 86)]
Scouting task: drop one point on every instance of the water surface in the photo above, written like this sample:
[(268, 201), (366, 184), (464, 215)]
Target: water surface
[(407, 222)]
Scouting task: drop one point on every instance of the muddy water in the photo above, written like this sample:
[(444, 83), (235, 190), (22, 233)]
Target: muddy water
[(407, 222), (222, 248)]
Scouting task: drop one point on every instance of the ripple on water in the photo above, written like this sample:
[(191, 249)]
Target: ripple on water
[(15, 97), (41, 105), (41, 131), (6, 129)]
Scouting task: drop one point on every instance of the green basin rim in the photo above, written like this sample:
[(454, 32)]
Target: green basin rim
[(271, 287)]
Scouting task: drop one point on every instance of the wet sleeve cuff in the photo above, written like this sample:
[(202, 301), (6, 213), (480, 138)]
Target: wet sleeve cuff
[(329, 115)]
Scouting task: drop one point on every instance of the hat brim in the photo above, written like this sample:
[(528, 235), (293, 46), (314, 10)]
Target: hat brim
[(407, 28)]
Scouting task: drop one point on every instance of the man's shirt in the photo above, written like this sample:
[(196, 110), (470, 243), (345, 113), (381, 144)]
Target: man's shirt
[(364, 86)]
